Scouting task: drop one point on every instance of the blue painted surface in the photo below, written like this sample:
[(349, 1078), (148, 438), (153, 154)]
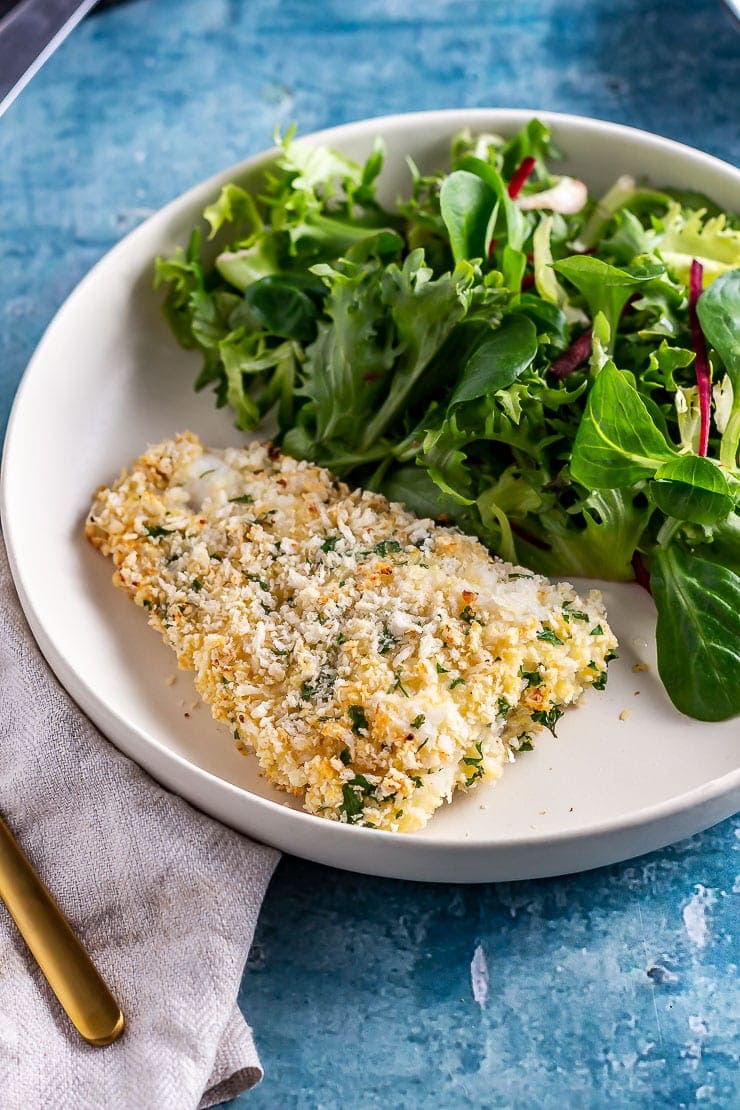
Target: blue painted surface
[(616, 988)]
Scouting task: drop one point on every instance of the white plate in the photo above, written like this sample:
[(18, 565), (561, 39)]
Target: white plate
[(108, 379)]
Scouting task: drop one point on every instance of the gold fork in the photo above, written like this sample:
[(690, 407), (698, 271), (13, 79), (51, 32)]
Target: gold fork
[(68, 969)]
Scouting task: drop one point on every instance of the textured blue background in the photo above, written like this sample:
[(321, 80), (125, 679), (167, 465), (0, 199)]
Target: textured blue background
[(615, 988)]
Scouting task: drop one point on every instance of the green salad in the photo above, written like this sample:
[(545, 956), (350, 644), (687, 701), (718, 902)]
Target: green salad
[(556, 373)]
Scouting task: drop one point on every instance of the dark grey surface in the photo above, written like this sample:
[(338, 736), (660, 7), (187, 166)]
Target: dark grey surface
[(29, 32)]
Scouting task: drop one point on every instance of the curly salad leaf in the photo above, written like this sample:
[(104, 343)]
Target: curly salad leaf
[(501, 351)]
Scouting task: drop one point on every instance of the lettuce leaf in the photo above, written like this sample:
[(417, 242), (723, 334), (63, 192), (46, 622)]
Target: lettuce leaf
[(680, 237), (438, 352)]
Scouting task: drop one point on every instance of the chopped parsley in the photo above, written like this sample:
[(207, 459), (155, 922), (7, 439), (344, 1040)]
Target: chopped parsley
[(548, 718), (441, 669), (532, 678), (599, 683), (156, 531), (576, 614), (386, 641), (597, 630), (516, 574), (330, 543), (307, 691), (341, 638), (352, 804), (476, 762), (503, 707), (245, 499), (610, 655), (457, 682), (468, 615), (398, 685), (197, 585), (525, 742), (548, 636), (345, 755), (358, 719), (354, 794), (387, 546), (418, 721), (260, 581)]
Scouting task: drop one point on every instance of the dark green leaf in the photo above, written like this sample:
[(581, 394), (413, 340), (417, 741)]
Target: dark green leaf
[(724, 544), (412, 486), (545, 316), (498, 361), (617, 442), (466, 203), (515, 225), (718, 309), (282, 308), (698, 633), (692, 488), (607, 288)]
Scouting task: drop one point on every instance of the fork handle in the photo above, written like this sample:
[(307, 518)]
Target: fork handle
[(68, 969)]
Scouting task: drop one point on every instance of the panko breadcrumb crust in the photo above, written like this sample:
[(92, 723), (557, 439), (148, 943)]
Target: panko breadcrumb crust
[(374, 662)]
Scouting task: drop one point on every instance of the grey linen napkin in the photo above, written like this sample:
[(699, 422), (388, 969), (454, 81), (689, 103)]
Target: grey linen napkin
[(165, 899)]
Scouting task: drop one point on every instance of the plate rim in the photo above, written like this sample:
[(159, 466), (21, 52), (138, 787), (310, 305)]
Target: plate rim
[(724, 787)]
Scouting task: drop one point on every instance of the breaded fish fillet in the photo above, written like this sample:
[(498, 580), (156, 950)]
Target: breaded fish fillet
[(373, 661)]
